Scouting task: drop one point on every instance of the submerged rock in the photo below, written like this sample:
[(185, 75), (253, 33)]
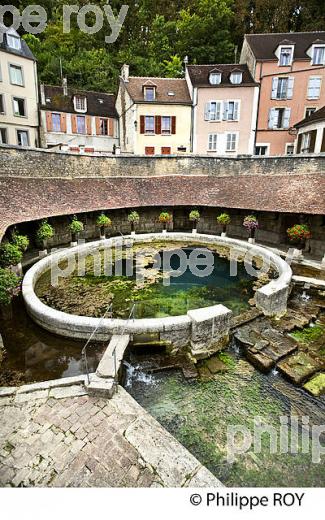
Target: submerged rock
[(298, 367)]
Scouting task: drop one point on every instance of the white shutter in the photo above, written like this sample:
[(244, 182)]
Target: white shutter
[(218, 111), (236, 111), (314, 87), (272, 116), (290, 87), (225, 111), (286, 118), (275, 82), (207, 112)]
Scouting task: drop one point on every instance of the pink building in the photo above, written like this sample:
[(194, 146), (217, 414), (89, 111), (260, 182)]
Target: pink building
[(224, 115), (291, 73)]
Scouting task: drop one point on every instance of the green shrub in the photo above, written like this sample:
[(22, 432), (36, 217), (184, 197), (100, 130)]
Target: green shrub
[(103, 221), (21, 241), (45, 231), (9, 286), (10, 254), (76, 226), (223, 219), (165, 217), (133, 217)]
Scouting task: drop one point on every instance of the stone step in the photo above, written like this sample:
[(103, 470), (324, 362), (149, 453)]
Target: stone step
[(100, 387), (110, 365)]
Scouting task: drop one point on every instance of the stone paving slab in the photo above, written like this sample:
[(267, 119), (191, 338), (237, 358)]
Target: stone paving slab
[(62, 437)]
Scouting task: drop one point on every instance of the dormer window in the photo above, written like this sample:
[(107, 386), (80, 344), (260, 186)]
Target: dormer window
[(215, 78), (13, 42), (80, 103), (318, 55), (149, 93), (236, 78), (286, 55)]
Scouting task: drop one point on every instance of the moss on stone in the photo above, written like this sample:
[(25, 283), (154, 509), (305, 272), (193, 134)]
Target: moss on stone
[(316, 385)]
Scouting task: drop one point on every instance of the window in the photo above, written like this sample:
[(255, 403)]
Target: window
[(22, 138), (149, 150), (13, 42), (231, 110), (215, 78), (149, 125), (212, 142), (314, 85), (279, 118), (290, 148), (3, 136), (2, 104), (149, 93), (305, 142), (19, 107), (231, 142), (282, 88), (309, 111), (81, 125), (16, 75), (56, 123), (261, 149), (286, 54), (103, 126), (166, 150), (236, 78), (318, 55), (213, 111), (80, 104), (166, 125)]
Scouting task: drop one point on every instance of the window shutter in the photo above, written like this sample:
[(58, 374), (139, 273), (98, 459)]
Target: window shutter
[(49, 125), (63, 123), (236, 110), (174, 125), (142, 124), (299, 143), (313, 135), (225, 111), (207, 112), (218, 111), (275, 82), (290, 88), (98, 132), (88, 125), (286, 118), (74, 124), (272, 113), (158, 125), (111, 127)]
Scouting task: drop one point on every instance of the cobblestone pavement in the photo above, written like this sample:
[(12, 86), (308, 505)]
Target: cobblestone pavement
[(57, 439)]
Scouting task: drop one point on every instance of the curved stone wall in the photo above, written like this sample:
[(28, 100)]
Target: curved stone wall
[(181, 330)]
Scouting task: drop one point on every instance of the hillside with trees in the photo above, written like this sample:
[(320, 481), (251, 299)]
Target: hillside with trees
[(157, 34)]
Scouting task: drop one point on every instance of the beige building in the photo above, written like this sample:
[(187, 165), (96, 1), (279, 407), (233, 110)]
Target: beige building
[(311, 133), (19, 121), (78, 121), (155, 115)]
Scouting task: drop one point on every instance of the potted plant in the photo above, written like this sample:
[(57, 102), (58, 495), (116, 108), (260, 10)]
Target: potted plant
[(165, 218), (133, 218), (75, 226), (251, 224), (10, 257), (298, 234), (21, 241), (43, 234), (103, 222), (194, 217), (9, 287), (224, 219)]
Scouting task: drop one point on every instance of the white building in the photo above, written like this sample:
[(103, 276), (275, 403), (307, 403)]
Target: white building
[(19, 121)]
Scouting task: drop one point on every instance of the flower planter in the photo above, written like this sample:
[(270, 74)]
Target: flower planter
[(223, 234), (74, 239), (164, 231), (194, 231), (132, 233), (17, 269), (102, 233)]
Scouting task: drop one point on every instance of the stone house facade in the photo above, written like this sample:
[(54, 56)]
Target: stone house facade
[(19, 121), (311, 133), (224, 109), (290, 70), (78, 121)]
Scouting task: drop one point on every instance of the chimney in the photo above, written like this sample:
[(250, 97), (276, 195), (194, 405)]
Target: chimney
[(42, 93), (125, 72), (65, 86)]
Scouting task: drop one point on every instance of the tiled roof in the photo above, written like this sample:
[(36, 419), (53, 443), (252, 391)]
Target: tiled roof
[(24, 51), (318, 115), (265, 45), (98, 103), (199, 75), (173, 91), (25, 199)]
